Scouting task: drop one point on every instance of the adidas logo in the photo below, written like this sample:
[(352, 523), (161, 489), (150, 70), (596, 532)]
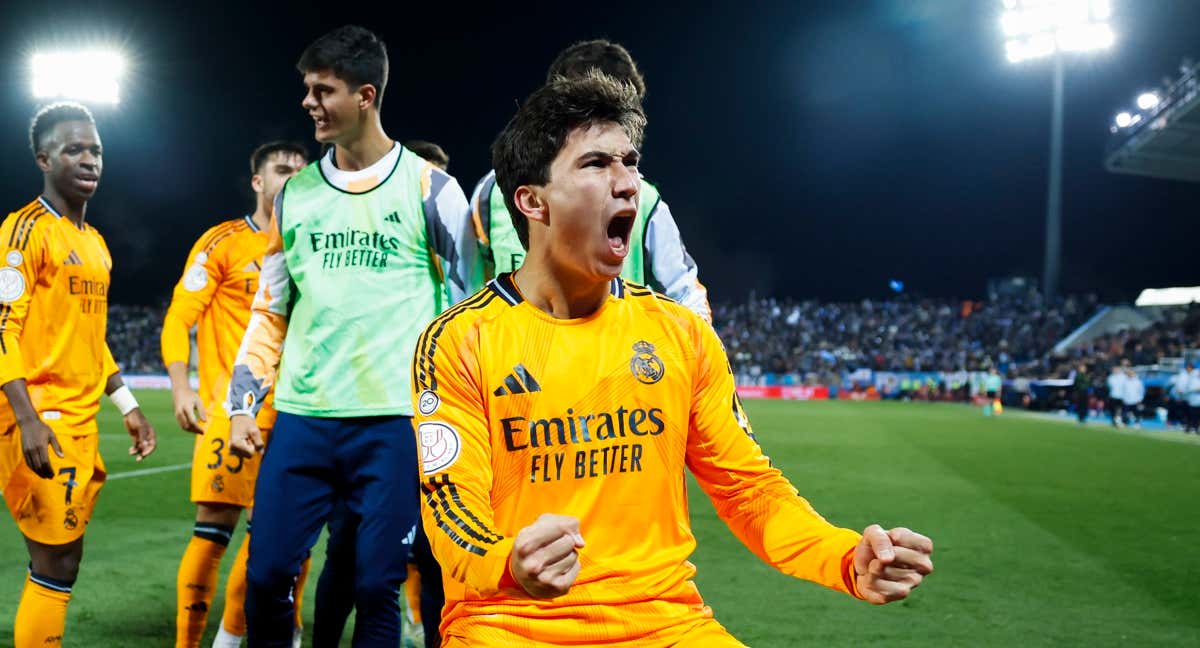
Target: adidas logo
[(73, 259), (393, 217), (518, 382)]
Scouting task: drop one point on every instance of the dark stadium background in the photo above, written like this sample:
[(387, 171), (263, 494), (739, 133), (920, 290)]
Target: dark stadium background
[(807, 149)]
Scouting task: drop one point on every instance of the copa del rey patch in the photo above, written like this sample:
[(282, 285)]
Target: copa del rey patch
[(440, 446)]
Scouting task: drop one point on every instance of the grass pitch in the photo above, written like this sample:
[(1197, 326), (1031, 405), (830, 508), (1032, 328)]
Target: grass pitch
[(1046, 534)]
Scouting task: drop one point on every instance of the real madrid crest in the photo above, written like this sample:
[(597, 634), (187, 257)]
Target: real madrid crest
[(644, 365), (217, 484)]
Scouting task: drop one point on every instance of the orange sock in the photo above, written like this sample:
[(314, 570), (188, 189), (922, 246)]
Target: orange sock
[(298, 590), (196, 582), (412, 590), (234, 619), (42, 614)]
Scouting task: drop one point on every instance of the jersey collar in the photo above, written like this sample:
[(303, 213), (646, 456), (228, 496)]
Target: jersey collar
[(506, 289)]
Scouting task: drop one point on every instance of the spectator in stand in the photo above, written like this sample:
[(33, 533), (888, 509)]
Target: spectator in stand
[(1132, 395)]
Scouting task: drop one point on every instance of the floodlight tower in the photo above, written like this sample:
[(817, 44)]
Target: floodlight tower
[(1035, 29)]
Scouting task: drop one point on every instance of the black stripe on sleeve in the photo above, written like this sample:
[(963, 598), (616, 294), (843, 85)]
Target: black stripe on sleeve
[(20, 216), (427, 345)]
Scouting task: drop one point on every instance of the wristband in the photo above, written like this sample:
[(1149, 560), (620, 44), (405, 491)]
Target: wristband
[(124, 400)]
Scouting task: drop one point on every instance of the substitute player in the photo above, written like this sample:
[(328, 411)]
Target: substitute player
[(54, 364), (422, 587), (657, 256), (559, 407), (214, 294), (367, 246)]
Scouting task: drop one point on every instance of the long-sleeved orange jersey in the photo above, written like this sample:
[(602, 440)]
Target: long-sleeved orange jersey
[(521, 414), (214, 294), (54, 281)]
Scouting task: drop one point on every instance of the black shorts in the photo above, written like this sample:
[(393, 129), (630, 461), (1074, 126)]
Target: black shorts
[(991, 394)]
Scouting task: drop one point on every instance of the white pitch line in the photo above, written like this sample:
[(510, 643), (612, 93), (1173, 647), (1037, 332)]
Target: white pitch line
[(149, 471)]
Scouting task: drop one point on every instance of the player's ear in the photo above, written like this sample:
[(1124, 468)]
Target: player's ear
[(42, 158), (366, 96), (256, 183), (529, 199)]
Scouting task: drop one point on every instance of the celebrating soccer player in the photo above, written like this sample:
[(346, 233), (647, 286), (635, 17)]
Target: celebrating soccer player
[(558, 408), (367, 245), (54, 364), (214, 295), (657, 256)]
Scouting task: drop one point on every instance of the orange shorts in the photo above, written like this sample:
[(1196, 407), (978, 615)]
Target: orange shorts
[(51, 511), (218, 475), (705, 634)]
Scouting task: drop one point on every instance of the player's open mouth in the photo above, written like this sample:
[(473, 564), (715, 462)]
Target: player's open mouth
[(87, 181), (321, 122), (618, 233)]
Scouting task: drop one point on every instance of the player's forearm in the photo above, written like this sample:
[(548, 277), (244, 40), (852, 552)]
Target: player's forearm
[(18, 398), (174, 341), (119, 394), (480, 565), (257, 362), (178, 373), (784, 531)]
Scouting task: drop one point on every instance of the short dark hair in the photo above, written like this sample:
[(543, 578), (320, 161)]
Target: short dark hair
[(261, 154), (52, 115), (525, 149), (354, 54), (608, 57), (430, 152)]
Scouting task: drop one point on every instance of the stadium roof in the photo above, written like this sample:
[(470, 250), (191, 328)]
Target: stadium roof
[(1168, 296)]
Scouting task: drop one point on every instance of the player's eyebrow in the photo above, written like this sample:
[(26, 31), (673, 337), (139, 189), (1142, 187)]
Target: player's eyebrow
[(629, 157)]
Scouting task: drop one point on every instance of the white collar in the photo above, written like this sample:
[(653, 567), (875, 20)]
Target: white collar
[(379, 171)]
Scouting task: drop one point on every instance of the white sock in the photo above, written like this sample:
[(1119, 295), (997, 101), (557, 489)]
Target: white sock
[(226, 639), (297, 635)]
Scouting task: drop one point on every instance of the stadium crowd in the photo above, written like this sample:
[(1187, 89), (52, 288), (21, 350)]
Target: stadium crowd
[(783, 336), (767, 335), (133, 334)]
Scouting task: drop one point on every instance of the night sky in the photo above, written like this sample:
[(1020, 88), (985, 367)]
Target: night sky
[(808, 150)]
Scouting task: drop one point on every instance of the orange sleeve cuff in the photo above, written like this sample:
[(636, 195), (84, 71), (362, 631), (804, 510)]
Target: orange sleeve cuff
[(849, 577), (494, 571)]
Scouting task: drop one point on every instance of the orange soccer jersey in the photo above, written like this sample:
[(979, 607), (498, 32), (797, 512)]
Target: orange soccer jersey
[(521, 414), (54, 280), (214, 294)]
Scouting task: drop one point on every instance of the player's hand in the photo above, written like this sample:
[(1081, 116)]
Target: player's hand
[(545, 556), (189, 409), (36, 439), (144, 438), (245, 439), (889, 565)]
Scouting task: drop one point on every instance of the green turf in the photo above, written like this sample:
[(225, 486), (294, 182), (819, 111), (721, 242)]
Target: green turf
[(1046, 534)]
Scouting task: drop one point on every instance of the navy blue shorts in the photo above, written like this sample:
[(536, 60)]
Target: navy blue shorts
[(370, 464)]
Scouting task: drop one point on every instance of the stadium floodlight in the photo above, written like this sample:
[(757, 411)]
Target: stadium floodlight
[(1123, 119), (1038, 28), (1035, 29), (85, 75), (1147, 100)]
